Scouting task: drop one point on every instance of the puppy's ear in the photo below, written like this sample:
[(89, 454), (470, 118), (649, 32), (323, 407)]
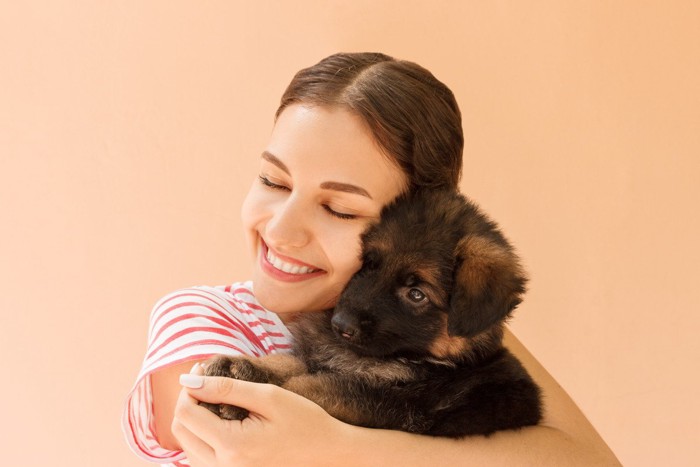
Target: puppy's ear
[(488, 284)]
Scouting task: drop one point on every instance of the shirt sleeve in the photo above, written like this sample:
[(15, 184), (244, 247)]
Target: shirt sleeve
[(190, 324)]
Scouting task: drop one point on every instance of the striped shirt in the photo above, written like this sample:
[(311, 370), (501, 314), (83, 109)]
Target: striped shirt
[(193, 324)]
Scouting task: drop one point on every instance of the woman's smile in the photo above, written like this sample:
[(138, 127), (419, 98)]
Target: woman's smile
[(285, 268)]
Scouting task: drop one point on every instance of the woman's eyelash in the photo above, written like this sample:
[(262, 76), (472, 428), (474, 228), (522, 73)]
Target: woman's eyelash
[(266, 181), (339, 215)]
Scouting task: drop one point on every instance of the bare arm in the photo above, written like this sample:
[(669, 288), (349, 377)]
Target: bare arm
[(303, 434), (166, 389)]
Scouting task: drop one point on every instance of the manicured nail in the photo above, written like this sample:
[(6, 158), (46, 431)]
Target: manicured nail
[(191, 381)]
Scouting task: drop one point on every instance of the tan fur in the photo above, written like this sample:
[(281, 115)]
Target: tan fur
[(483, 260), (284, 365), (320, 389), (449, 347), (370, 369)]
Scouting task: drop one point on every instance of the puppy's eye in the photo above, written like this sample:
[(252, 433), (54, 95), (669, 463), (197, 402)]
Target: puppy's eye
[(416, 295)]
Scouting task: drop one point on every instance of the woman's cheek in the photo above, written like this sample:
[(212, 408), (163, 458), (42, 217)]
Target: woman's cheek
[(347, 250), (253, 213)]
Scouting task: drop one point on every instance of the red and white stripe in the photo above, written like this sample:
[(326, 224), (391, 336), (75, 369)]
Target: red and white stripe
[(192, 324)]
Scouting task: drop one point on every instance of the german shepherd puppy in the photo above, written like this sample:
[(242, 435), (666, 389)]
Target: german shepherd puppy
[(415, 340)]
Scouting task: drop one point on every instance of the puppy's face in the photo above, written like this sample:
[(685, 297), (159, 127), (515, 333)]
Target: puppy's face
[(436, 274)]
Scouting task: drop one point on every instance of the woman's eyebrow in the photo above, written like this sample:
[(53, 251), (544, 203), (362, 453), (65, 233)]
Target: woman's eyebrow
[(272, 159), (345, 187), (335, 186)]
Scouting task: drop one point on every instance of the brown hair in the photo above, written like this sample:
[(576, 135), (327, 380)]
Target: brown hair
[(413, 117)]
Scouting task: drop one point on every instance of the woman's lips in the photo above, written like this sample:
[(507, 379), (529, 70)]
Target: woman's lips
[(284, 268)]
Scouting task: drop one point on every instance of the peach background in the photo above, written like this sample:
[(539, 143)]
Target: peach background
[(129, 133)]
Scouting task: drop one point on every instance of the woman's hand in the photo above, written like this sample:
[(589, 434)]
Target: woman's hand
[(283, 428)]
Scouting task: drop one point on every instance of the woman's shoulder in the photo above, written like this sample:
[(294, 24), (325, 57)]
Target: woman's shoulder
[(219, 296), (233, 302), (214, 319)]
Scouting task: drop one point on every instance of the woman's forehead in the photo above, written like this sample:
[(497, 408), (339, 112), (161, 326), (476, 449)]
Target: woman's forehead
[(336, 145)]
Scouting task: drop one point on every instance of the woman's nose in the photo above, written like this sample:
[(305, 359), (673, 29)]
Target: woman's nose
[(288, 225)]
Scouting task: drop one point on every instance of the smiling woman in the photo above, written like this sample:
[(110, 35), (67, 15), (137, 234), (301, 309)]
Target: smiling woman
[(352, 133)]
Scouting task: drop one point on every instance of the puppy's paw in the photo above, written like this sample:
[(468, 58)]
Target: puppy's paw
[(237, 368), (226, 411)]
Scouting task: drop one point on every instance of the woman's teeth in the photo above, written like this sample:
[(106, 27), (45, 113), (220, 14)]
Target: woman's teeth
[(287, 267)]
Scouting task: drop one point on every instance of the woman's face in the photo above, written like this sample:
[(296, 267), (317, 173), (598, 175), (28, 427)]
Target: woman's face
[(322, 180)]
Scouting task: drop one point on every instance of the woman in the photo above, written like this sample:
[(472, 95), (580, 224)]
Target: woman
[(352, 133)]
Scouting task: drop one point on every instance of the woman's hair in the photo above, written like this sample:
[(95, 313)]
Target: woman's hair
[(413, 117)]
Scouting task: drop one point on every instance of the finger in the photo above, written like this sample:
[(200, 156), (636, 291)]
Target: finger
[(255, 397), (201, 422), (198, 452)]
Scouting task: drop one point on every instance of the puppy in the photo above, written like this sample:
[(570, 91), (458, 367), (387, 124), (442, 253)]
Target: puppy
[(415, 340)]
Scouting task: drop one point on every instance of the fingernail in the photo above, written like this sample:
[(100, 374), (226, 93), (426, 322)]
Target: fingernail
[(194, 368), (191, 381)]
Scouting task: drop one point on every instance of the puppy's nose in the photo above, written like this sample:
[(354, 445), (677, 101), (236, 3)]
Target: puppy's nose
[(345, 327)]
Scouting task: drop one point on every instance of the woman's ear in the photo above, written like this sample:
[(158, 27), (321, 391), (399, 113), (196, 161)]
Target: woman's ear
[(488, 285)]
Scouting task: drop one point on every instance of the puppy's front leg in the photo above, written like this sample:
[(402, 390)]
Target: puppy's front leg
[(273, 369), (359, 402), (326, 391)]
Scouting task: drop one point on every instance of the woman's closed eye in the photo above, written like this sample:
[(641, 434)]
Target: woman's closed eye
[(270, 184), (339, 215)]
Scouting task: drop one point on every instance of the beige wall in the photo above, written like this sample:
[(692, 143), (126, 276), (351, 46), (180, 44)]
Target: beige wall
[(129, 133)]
